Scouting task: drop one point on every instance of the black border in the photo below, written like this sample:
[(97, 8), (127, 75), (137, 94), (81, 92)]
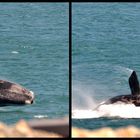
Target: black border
[(34, 1), (103, 1)]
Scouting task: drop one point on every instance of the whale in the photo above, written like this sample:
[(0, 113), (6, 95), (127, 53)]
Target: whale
[(14, 94), (133, 98)]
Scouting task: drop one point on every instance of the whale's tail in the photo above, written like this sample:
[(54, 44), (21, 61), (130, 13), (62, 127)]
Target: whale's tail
[(134, 84)]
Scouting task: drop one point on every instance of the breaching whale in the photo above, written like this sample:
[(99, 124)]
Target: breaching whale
[(133, 98), (14, 94)]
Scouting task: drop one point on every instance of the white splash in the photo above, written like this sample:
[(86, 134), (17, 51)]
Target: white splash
[(15, 52), (40, 116), (120, 110)]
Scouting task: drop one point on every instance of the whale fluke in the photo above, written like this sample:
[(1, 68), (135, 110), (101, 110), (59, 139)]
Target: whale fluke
[(134, 84)]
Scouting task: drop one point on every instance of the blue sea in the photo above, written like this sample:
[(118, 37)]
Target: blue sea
[(34, 53), (105, 51)]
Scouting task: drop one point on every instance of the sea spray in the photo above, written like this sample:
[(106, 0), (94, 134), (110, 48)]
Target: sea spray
[(123, 70), (82, 97)]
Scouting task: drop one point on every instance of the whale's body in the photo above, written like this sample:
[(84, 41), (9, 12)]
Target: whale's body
[(14, 94), (133, 98), (128, 99)]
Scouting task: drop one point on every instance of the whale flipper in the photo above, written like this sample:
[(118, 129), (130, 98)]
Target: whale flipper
[(134, 84)]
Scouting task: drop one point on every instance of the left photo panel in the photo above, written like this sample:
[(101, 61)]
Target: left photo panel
[(34, 69)]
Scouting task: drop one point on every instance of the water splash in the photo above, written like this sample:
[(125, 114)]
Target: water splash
[(82, 97), (40, 116), (120, 110), (83, 104), (124, 70), (15, 52)]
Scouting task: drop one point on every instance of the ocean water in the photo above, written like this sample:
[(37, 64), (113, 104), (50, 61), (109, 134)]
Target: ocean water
[(105, 51), (34, 53)]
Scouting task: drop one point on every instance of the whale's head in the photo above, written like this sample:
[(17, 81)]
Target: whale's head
[(15, 93), (23, 95)]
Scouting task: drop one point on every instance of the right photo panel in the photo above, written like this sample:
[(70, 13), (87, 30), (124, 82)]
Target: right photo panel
[(105, 69)]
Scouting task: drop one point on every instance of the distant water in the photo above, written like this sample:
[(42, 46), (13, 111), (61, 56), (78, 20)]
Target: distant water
[(106, 49), (34, 53)]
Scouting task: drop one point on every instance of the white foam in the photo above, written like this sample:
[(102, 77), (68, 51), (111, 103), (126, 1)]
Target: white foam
[(120, 110), (40, 116), (15, 52)]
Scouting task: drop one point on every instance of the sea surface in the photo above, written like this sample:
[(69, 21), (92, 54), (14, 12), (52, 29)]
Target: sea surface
[(34, 53), (105, 51)]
